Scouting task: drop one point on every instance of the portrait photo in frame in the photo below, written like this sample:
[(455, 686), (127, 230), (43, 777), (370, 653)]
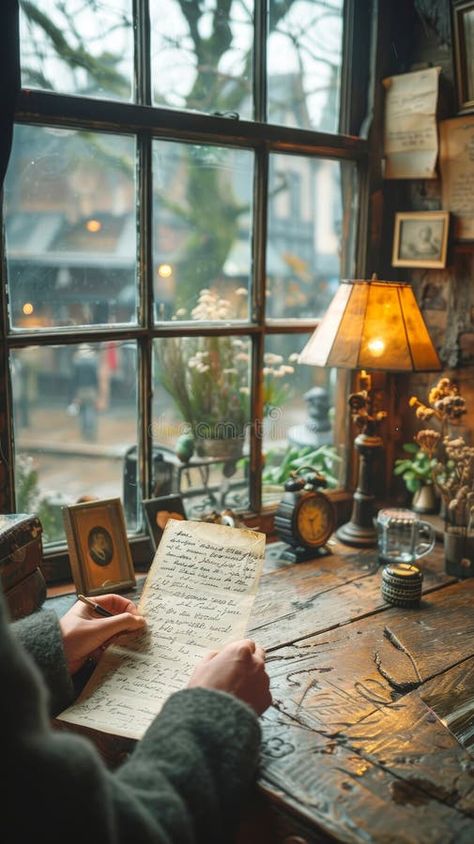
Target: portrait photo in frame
[(420, 239), (99, 550), (157, 512), (463, 44)]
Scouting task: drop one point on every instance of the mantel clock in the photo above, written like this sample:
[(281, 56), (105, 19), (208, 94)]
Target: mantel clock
[(305, 517)]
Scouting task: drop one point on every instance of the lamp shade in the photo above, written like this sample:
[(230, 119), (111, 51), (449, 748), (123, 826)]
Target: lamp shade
[(372, 325)]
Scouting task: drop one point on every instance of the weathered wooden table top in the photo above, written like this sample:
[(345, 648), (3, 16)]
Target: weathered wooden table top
[(371, 735), (370, 739)]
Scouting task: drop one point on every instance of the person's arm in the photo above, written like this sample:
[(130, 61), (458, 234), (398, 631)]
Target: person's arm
[(185, 781), (60, 647)]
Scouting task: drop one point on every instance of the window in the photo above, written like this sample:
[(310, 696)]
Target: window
[(178, 210)]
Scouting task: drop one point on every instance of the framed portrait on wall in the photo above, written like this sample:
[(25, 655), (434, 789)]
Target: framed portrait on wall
[(463, 44), (157, 512), (420, 239), (99, 550)]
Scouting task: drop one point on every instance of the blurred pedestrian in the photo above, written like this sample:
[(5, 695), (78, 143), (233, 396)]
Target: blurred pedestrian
[(85, 390)]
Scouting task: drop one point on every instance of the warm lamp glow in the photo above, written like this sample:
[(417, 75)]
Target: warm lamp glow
[(372, 325), (27, 308), (376, 347)]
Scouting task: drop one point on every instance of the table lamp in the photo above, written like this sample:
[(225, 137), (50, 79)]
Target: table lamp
[(370, 325)]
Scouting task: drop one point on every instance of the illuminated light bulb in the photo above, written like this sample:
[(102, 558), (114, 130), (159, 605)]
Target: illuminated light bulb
[(93, 226), (165, 270), (376, 346), (27, 308)]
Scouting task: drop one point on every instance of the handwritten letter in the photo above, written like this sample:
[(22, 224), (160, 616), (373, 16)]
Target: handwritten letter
[(198, 596), (410, 137)]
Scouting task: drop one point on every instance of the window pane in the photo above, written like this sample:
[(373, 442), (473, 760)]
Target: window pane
[(70, 228), (202, 55), (201, 419), (202, 228), (299, 425), (311, 225), (304, 59), (78, 47), (75, 422)]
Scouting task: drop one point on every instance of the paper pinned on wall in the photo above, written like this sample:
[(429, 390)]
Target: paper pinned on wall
[(410, 133), (457, 171)]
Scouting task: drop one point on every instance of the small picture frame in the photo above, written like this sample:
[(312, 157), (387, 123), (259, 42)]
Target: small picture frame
[(463, 43), (99, 550), (420, 239), (157, 512)]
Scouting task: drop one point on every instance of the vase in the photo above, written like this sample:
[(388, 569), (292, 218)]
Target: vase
[(459, 552), (224, 448), (425, 500)]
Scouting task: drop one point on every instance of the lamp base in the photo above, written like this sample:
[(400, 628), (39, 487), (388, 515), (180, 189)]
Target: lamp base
[(360, 530), (356, 535)]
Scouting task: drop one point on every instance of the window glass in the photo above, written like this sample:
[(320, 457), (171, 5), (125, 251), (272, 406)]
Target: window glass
[(202, 212), (202, 55), (78, 47), (299, 418), (70, 228), (304, 59), (75, 424), (312, 209), (201, 416)]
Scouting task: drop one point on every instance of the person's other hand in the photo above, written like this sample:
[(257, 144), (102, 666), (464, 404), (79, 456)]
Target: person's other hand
[(239, 668), (85, 633)]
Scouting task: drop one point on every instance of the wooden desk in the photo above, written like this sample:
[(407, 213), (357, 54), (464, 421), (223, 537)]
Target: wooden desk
[(355, 748)]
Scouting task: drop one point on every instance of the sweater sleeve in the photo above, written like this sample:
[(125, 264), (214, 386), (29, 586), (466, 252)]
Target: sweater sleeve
[(186, 780), (40, 636)]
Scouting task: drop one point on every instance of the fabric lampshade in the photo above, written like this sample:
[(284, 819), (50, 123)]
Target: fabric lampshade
[(372, 325)]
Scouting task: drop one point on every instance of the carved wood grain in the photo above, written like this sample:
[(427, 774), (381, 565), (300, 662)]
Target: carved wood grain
[(338, 792)]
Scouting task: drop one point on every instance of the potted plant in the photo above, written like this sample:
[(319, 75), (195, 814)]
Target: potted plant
[(280, 463), (208, 379), (416, 471)]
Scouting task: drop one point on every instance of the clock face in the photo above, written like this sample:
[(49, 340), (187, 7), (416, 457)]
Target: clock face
[(314, 521)]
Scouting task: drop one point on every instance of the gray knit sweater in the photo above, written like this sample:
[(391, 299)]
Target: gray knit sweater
[(185, 781)]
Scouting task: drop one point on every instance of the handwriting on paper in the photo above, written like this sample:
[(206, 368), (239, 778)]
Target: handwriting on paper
[(198, 596), (410, 134)]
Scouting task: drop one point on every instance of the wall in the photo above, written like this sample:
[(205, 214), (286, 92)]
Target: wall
[(421, 35)]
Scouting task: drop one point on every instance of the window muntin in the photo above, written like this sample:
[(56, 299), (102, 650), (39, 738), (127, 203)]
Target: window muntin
[(70, 228), (202, 212), (78, 47)]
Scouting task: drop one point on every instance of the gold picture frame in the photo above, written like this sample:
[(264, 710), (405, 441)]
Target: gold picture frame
[(99, 550), (463, 44), (420, 239)]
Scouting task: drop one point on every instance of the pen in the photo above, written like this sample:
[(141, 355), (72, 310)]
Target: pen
[(96, 607)]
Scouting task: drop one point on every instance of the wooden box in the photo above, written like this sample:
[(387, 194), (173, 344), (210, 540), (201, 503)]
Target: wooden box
[(21, 554)]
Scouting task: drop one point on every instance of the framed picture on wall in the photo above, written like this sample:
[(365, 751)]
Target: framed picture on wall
[(420, 239), (99, 551), (463, 43), (157, 512)]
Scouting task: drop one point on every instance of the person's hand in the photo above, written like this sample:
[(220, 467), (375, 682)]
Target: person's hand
[(86, 634), (239, 668)]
